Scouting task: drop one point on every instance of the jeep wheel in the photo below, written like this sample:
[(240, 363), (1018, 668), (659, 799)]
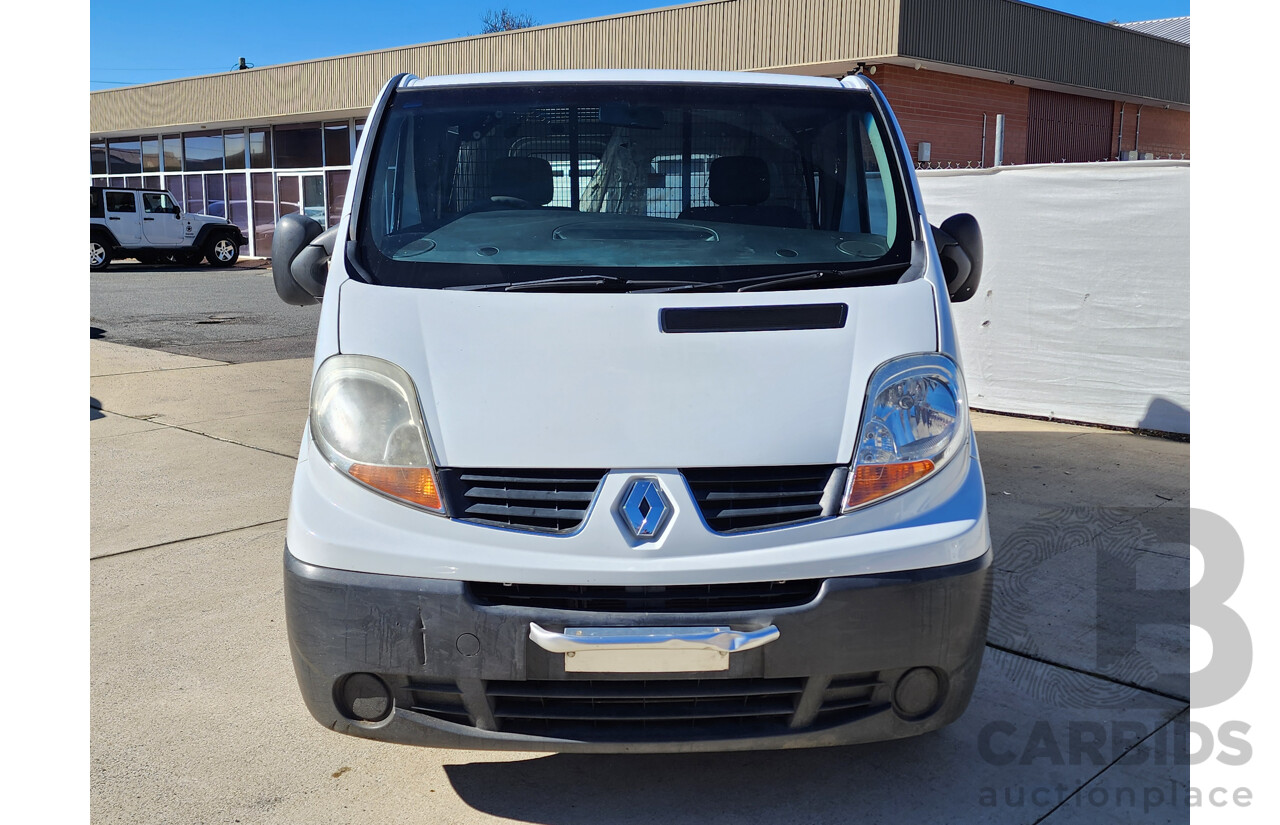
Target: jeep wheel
[(99, 255), (222, 251)]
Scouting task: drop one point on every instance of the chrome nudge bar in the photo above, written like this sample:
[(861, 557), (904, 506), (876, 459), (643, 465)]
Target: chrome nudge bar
[(718, 639)]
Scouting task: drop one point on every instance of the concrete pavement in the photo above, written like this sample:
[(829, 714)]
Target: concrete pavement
[(196, 716)]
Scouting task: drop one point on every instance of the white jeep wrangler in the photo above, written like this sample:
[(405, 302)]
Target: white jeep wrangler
[(151, 227)]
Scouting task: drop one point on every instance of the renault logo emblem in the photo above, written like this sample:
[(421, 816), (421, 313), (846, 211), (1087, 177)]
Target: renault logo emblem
[(645, 508)]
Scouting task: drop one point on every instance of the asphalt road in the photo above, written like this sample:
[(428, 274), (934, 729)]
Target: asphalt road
[(231, 315)]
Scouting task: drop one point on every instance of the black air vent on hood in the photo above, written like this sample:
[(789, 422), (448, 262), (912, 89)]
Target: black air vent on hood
[(754, 318)]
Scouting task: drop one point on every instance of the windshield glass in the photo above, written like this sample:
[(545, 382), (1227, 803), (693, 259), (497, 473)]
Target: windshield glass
[(587, 187)]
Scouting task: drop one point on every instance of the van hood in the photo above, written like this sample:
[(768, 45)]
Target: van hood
[(584, 380)]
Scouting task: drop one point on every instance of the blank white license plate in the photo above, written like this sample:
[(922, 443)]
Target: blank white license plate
[(608, 659)]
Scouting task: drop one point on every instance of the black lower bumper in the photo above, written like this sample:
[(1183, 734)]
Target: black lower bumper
[(461, 671)]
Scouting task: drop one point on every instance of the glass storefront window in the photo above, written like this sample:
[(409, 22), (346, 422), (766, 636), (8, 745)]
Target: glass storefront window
[(298, 146), (172, 153), (337, 191), (233, 145), (288, 200), (238, 201), (98, 157), (124, 157), (195, 194), (313, 197), (264, 212), (260, 149), (151, 154), (174, 184), (202, 151), (215, 203), (133, 182), (337, 144)]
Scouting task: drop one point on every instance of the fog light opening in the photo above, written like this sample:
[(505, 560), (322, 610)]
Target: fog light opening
[(365, 698), (918, 693)]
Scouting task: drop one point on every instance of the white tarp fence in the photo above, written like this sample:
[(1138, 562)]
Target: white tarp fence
[(1084, 312)]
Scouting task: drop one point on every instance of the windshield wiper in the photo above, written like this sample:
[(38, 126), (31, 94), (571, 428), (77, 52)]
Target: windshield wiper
[(566, 280), (761, 282)]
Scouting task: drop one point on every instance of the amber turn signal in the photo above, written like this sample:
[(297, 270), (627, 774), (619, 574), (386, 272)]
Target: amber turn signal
[(875, 481), (415, 485)]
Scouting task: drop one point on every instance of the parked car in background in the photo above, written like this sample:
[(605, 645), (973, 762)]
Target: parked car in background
[(151, 227)]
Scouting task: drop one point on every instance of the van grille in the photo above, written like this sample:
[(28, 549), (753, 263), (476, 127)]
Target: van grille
[(698, 598), (603, 710), (670, 708), (546, 501), (733, 499), (591, 709)]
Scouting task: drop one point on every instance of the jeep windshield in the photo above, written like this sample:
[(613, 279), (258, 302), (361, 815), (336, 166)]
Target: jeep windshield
[(596, 187)]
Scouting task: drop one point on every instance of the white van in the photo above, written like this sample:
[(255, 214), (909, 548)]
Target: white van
[(609, 453)]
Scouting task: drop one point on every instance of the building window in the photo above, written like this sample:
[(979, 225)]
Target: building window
[(298, 147), (337, 191), (233, 147), (124, 157), (173, 183), (98, 157), (172, 153), (337, 144), (288, 200), (151, 154), (260, 148), (195, 193), (215, 203), (264, 212), (238, 202), (202, 151)]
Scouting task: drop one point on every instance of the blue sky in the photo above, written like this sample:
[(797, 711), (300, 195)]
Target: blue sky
[(144, 41)]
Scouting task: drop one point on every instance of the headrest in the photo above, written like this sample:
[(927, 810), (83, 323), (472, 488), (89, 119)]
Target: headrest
[(528, 179), (738, 180)]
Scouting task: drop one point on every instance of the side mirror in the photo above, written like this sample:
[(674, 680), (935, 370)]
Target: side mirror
[(959, 242), (300, 252)]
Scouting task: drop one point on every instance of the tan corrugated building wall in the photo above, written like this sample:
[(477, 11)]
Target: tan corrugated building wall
[(947, 66)]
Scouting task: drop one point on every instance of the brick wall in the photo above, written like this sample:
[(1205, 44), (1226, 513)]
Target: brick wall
[(1163, 132), (946, 111)]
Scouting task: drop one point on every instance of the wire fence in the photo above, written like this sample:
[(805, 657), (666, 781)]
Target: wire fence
[(973, 164)]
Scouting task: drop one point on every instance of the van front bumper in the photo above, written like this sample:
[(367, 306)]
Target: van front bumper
[(447, 664)]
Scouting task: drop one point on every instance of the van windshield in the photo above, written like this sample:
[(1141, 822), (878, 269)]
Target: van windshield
[(625, 188)]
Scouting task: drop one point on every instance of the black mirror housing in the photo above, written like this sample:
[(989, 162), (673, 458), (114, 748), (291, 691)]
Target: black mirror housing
[(300, 252), (959, 242)]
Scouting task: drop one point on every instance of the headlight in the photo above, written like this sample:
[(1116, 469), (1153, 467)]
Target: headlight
[(916, 419), (366, 421)]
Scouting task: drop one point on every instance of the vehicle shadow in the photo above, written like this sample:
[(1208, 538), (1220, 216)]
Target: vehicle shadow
[(811, 785), (131, 266)]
